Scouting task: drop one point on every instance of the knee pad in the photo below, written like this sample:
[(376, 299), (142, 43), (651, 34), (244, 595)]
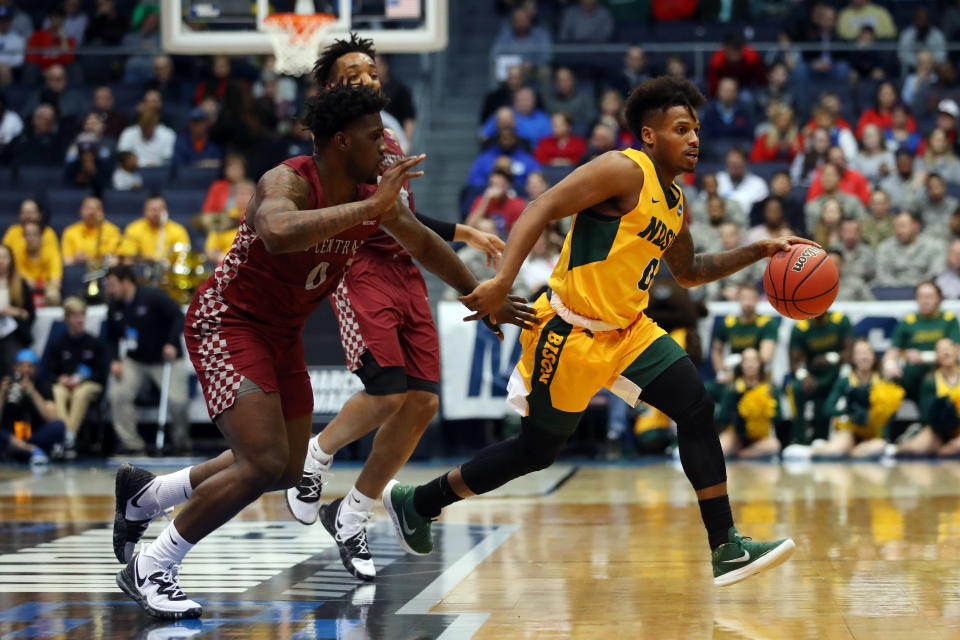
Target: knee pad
[(697, 415), (540, 448)]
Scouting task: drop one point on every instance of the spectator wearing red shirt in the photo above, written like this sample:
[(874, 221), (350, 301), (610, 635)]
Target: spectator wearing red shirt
[(780, 140), (234, 170), (851, 182), (735, 60), (499, 203), (53, 37), (882, 114), (562, 148)]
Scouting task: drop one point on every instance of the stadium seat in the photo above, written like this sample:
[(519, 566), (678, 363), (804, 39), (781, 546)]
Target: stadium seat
[(38, 178), (554, 174), (893, 293), (123, 207), (155, 178), (72, 283), (766, 169), (185, 203), (716, 148), (64, 206), (10, 200), (194, 177)]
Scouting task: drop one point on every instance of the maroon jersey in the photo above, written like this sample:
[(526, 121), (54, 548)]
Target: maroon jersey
[(381, 241), (281, 290)]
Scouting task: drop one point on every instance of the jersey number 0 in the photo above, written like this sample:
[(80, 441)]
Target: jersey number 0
[(648, 272)]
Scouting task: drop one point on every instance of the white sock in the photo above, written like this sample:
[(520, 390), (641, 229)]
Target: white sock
[(173, 488), (169, 548), (356, 501), (318, 455), (162, 493)]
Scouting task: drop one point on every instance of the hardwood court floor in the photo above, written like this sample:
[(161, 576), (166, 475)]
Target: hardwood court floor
[(614, 552)]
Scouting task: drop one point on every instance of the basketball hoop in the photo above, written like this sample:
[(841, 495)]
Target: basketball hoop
[(296, 39)]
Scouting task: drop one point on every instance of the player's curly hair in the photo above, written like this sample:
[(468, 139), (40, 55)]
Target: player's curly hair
[(324, 66), (659, 94), (333, 109)]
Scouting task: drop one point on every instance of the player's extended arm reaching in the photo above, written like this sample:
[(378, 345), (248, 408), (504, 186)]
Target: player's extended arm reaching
[(283, 222), (438, 258)]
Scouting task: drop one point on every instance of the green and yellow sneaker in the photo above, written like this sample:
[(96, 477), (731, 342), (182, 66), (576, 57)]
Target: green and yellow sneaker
[(741, 557), (413, 530)]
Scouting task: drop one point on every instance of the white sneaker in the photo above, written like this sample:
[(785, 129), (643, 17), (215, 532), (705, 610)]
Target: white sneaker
[(349, 530), (156, 588), (303, 500), (797, 452)]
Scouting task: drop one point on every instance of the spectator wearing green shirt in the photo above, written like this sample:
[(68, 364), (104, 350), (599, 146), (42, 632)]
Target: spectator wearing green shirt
[(749, 330), (939, 397), (861, 404), (818, 347), (749, 411), (911, 355)]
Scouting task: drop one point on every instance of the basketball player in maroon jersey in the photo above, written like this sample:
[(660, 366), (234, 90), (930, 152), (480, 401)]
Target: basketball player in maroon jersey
[(390, 341), (244, 334)]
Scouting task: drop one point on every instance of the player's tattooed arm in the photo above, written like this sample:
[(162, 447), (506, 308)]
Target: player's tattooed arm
[(285, 223), (692, 269)]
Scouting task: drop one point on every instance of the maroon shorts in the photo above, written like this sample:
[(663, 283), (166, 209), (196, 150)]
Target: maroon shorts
[(386, 326), (225, 349)]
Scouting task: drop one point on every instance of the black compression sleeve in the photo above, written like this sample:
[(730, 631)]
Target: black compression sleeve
[(445, 230)]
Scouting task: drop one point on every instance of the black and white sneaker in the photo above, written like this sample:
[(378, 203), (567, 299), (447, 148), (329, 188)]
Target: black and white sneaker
[(349, 530), (303, 500), (131, 487), (156, 589)]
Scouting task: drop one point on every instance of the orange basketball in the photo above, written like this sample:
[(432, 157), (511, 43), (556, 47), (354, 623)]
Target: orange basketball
[(801, 282)]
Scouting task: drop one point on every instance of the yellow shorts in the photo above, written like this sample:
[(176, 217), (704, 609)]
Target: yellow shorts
[(563, 366)]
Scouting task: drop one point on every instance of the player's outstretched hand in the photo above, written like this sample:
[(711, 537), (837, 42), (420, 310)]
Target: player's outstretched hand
[(393, 179), (513, 311), (775, 245), (486, 299), (489, 243)]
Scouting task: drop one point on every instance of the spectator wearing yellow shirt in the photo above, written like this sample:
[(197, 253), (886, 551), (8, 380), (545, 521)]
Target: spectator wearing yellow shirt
[(40, 265), (154, 235), (29, 212), (91, 239), (219, 242)]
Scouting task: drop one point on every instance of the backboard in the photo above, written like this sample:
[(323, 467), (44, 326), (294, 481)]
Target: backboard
[(235, 27)]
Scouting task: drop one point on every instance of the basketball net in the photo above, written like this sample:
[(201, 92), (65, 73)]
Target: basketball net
[(296, 37)]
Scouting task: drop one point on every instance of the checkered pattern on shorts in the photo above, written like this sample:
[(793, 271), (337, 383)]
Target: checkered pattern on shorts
[(217, 376), (350, 336)]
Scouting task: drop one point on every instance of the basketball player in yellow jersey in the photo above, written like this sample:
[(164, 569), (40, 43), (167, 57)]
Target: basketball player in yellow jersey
[(629, 217)]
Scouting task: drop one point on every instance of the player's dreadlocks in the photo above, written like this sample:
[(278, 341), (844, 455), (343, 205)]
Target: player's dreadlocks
[(323, 69), (333, 109), (659, 94)]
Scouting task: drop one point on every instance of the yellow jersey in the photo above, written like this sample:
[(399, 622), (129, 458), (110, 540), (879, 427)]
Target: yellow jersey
[(13, 238), (42, 269), (607, 264), (221, 240), (95, 243), (141, 240)]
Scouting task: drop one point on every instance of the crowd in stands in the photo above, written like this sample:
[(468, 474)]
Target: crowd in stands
[(856, 149)]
